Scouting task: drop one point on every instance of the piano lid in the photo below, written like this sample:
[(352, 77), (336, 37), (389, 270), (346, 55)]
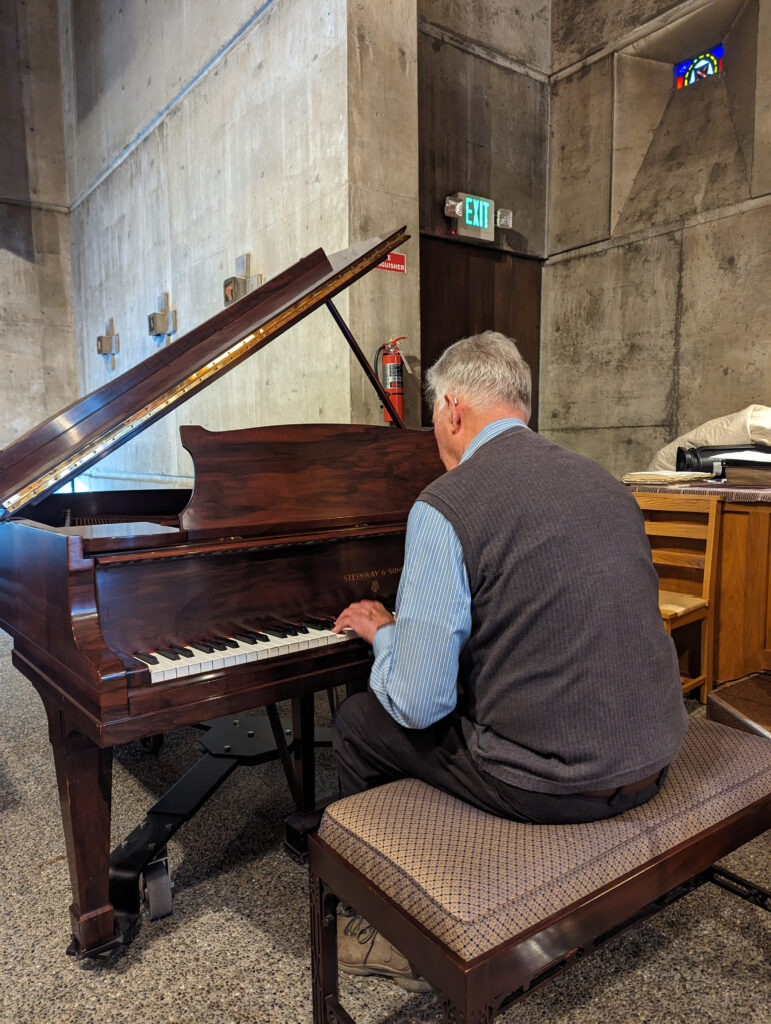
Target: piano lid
[(67, 444)]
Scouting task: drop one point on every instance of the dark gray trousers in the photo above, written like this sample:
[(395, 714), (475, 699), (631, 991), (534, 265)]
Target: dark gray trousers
[(372, 749)]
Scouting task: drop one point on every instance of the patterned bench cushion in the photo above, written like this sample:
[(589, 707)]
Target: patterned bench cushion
[(475, 880)]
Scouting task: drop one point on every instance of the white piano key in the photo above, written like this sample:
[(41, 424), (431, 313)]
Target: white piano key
[(243, 653)]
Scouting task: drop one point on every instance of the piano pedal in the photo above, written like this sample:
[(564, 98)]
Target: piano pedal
[(156, 888)]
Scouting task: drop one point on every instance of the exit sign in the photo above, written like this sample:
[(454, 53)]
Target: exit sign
[(475, 214)]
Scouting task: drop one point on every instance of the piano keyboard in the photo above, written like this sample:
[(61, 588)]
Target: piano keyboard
[(271, 639)]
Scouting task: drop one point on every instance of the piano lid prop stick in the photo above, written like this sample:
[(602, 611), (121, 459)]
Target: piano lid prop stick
[(373, 378)]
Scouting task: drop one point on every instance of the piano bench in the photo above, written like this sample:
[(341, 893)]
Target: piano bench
[(487, 909)]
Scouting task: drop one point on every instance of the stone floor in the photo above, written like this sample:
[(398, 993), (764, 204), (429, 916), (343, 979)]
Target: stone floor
[(236, 948)]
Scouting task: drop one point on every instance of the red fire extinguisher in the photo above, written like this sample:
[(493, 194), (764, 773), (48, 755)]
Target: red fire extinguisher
[(393, 381)]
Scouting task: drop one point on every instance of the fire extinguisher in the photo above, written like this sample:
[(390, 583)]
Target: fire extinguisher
[(393, 382)]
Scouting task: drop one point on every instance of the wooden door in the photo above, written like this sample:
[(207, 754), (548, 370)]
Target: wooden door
[(466, 289)]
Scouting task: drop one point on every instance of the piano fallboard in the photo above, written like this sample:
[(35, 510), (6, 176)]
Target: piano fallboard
[(79, 618)]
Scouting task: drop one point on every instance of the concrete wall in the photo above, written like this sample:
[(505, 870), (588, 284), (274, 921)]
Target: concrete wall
[(483, 89), (263, 135), (655, 311), (37, 340), (199, 130)]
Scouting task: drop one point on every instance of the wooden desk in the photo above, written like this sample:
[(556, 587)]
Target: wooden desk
[(743, 608)]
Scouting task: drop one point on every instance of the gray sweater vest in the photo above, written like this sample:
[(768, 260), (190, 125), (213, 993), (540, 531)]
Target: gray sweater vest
[(569, 681)]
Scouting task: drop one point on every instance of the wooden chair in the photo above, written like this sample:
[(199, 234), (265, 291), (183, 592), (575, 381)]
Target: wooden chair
[(683, 531)]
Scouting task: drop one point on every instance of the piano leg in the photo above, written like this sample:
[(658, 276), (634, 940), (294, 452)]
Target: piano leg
[(84, 776)]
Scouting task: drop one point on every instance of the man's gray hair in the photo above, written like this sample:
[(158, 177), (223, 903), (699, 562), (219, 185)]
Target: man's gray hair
[(486, 369)]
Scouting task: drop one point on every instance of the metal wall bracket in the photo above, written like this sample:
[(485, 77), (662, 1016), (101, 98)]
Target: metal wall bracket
[(163, 324), (244, 281), (108, 344)]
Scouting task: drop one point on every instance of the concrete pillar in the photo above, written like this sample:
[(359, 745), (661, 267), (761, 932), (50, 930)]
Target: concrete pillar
[(37, 340), (382, 91)]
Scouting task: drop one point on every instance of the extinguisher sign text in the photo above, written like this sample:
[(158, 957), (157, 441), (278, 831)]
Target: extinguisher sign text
[(396, 261)]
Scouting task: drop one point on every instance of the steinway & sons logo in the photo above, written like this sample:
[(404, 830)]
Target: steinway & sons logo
[(372, 576)]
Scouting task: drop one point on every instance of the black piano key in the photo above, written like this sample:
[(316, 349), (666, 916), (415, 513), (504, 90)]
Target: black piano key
[(324, 621), (245, 638), (272, 630), (262, 637), (203, 647), (294, 627), (274, 622), (226, 641), (312, 622), (167, 652), (215, 643), (148, 659), (184, 651)]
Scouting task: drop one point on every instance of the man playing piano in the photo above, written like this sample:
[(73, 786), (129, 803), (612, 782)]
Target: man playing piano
[(527, 670)]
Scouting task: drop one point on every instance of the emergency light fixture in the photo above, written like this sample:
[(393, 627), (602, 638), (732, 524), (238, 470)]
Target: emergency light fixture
[(475, 215)]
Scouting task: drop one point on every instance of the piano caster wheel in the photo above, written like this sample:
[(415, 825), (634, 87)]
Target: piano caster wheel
[(152, 744), (156, 888)]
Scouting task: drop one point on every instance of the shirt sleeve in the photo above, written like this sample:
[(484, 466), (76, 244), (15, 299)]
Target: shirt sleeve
[(415, 672)]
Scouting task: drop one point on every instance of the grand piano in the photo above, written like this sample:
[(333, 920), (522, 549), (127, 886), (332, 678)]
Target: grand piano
[(137, 612)]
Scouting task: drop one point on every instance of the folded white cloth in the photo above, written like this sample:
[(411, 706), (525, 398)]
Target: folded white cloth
[(749, 426)]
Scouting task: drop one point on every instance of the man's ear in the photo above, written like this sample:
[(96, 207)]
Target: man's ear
[(455, 412)]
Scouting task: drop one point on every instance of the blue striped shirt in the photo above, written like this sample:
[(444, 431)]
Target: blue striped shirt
[(415, 672)]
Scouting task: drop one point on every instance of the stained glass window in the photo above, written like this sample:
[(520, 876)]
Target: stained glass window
[(690, 71)]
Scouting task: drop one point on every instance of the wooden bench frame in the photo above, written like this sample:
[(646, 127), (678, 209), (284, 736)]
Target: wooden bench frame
[(474, 991)]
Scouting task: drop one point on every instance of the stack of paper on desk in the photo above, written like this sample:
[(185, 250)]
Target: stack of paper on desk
[(664, 476)]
